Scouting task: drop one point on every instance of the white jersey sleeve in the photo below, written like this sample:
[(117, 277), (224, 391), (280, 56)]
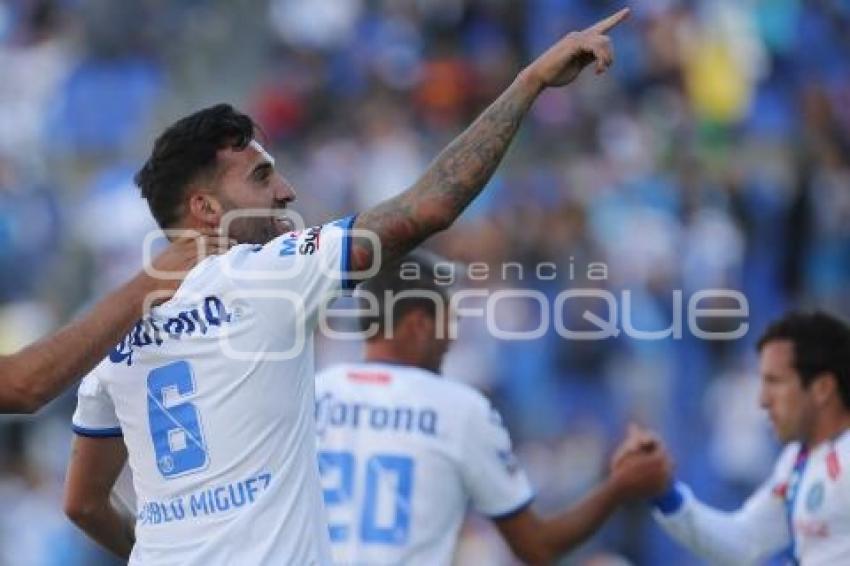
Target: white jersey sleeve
[(494, 480), (756, 531), (95, 414)]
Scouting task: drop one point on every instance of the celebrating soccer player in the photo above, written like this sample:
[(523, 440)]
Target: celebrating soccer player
[(213, 393), (804, 507)]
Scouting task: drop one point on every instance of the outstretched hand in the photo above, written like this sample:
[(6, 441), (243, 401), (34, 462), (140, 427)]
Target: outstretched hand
[(564, 61)]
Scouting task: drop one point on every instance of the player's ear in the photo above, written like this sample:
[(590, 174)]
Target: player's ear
[(205, 209), (409, 325), (824, 387), (425, 323)]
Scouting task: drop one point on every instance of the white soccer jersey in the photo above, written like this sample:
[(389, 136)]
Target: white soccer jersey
[(803, 508), (401, 453), (214, 396)]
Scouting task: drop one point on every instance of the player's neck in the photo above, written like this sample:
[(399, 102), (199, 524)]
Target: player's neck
[(829, 426), (193, 224), (380, 351)]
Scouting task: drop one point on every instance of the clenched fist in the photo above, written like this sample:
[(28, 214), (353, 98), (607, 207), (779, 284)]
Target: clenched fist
[(641, 467)]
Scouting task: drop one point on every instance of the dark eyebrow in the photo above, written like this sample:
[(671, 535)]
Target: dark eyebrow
[(261, 167)]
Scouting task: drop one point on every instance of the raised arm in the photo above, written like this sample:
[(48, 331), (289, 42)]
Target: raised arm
[(463, 168), (29, 379)]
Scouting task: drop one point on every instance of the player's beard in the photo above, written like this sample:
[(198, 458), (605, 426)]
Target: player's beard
[(259, 229), (255, 230)]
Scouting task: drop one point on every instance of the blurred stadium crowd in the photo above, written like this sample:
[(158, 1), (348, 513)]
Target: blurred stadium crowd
[(716, 155)]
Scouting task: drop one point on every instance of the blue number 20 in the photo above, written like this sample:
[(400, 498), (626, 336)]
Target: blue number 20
[(178, 440), (382, 471)]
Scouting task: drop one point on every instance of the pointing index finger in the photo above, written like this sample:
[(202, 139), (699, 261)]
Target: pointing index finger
[(608, 23)]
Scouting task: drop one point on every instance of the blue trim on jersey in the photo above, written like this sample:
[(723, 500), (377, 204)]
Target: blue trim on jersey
[(515, 511), (97, 432), (670, 501), (791, 499), (345, 260)]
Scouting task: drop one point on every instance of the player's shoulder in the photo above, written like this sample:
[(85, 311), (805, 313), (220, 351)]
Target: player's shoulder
[(238, 262), (421, 383), (208, 276), (228, 263), (282, 259), (788, 455), (842, 444), (787, 458), (94, 382), (344, 378), (460, 398), (462, 393), (221, 275), (332, 373)]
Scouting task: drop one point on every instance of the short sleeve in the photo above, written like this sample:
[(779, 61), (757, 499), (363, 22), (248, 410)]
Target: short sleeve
[(494, 480), (95, 413)]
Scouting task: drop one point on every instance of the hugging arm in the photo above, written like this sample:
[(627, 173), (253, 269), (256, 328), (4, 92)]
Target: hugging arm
[(31, 378)]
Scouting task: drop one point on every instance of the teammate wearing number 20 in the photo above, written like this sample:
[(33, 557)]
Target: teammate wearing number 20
[(402, 450), (213, 394)]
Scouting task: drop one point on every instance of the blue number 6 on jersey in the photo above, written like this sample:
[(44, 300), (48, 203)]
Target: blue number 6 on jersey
[(178, 440)]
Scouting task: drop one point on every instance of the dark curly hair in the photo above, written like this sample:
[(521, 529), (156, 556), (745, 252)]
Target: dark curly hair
[(185, 150), (821, 345)]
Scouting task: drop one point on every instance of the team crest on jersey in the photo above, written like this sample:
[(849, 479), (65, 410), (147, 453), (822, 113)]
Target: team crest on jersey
[(166, 464), (814, 498)]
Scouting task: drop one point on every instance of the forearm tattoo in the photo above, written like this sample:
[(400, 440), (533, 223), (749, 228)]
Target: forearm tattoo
[(451, 182)]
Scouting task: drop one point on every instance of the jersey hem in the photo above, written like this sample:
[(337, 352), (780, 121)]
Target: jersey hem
[(513, 512), (97, 432)]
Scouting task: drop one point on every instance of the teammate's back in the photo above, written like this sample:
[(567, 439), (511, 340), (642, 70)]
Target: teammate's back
[(401, 452)]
